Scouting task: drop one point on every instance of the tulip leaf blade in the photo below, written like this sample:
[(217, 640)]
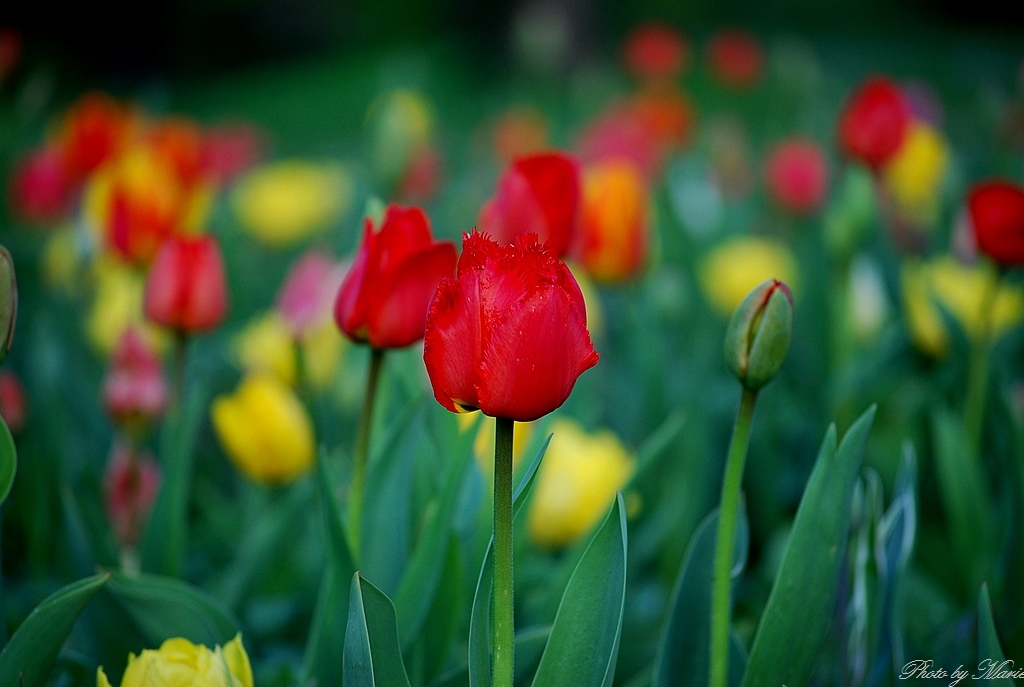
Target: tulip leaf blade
[(796, 618), (966, 498), (28, 658), (684, 646), (480, 616), (8, 461), (989, 648), (419, 584), (584, 644), (373, 654), (330, 617), (163, 607)]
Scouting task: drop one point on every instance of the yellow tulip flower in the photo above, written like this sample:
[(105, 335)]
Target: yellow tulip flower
[(117, 305), (733, 269), (266, 345), (483, 444), (180, 663), (914, 176), (579, 476), (265, 430), (963, 291)]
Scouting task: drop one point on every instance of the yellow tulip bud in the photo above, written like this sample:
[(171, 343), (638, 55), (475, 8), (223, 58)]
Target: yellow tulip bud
[(265, 430), (117, 305), (578, 479), (914, 176), (180, 663)]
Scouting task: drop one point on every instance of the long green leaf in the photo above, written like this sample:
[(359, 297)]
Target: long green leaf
[(163, 607), (327, 630), (584, 644), (799, 609), (684, 648), (990, 652), (373, 657), (28, 658), (8, 461), (529, 647), (480, 616), (166, 537), (966, 499), (419, 583)]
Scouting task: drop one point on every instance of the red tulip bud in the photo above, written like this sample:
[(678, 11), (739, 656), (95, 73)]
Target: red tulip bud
[(997, 217), (134, 387), (383, 300), (875, 122), (186, 289), (538, 194), (509, 335)]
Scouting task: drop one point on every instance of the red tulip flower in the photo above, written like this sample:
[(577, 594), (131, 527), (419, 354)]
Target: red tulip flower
[(997, 217), (538, 194), (383, 300), (736, 59), (797, 175), (875, 122), (94, 130), (508, 335), (134, 386), (186, 289), (656, 51)]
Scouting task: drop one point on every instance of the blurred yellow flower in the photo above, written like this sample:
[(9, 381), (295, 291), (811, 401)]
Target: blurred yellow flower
[(483, 444), (60, 259), (733, 269), (915, 174), (579, 476), (285, 202), (591, 299), (266, 345), (116, 305), (322, 350), (180, 663), (960, 289), (400, 126), (264, 429)]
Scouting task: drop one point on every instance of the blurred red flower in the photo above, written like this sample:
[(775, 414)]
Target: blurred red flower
[(94, 129), (131, 483), (656, 51), (736, 58), (997, 216), (875, 122), (40, 189), (13, 408), (537, 194), (134, 388), (383, 300), (509, 335), (186, 289), (797, 175)]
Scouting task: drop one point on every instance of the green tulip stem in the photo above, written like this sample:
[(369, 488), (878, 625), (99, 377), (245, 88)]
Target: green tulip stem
[(359, 459), (727, 514), (977, 374), (503, 623)]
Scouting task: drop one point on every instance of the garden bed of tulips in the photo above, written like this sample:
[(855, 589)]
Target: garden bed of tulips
[(694, 362)]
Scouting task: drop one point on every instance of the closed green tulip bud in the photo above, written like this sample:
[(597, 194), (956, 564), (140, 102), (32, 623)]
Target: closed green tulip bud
[(758, 336), (8, 302)]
